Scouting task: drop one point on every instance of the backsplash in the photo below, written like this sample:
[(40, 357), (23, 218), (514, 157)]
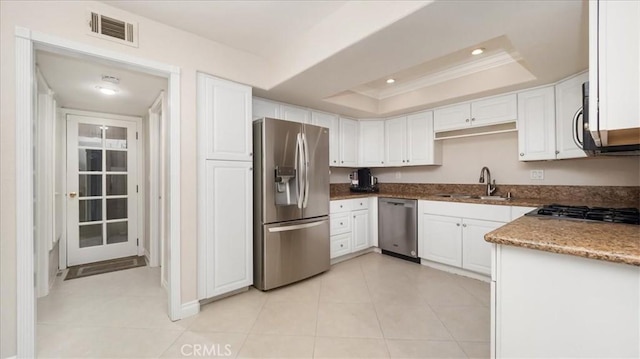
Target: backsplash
[(626, 194)]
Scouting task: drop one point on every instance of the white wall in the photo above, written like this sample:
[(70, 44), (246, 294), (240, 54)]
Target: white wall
[(158, 42), (464, 157)]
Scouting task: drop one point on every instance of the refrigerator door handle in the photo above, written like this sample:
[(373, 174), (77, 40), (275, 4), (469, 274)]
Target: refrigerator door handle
[(299, 170), (305, 145), (296, 227)]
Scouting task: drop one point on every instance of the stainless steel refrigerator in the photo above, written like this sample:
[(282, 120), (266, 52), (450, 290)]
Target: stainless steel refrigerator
[(291, 202)]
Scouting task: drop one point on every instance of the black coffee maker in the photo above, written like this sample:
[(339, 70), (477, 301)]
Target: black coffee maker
[(363, 181)]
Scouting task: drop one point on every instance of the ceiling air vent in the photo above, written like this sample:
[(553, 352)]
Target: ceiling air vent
[(110, 28)]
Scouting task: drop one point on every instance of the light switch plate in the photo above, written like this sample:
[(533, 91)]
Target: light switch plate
[(537, 174)]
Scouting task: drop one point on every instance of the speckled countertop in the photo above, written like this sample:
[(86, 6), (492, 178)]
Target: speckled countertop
[(525, 202), (619, 243)]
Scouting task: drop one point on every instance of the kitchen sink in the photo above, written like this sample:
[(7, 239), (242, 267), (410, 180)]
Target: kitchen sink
[(493, 198), (454, 195)]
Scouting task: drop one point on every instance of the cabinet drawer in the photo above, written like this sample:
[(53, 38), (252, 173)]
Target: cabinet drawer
[(340, 245), (340, 223), (339, 206), (360, 203)]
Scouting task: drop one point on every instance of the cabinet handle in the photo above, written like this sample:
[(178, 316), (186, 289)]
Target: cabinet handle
[(464, 225), (382, 162), (473, 119), (361, 203), (402, 161), (342, 245), (250, 153), (341, 161), (521, 154), (341, 223), (467, 120), (407, 161), (334, 161), (557, 152), (340, 206), (458, 224)]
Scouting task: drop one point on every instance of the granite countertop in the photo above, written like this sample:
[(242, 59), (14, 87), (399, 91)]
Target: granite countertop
[(613, 242), (522, 202)]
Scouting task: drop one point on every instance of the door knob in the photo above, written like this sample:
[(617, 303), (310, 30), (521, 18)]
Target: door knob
[(72, 194)]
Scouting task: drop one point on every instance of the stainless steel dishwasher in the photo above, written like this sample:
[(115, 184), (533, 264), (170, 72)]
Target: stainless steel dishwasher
[(398, 228)]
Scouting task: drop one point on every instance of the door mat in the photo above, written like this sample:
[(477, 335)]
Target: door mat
[(112, 265)]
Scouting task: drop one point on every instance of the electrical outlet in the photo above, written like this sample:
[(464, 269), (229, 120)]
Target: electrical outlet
[(398, 175), (537, 174)]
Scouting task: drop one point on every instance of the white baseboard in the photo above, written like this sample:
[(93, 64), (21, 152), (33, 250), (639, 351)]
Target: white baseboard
[(190, 309), (454, 270), (346, 257)]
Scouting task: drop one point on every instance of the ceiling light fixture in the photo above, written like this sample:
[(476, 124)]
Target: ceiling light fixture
[(477, 51), (106, 90), (390, 81)]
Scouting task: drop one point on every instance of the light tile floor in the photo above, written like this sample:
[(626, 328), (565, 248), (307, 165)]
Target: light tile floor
[(372, 306)]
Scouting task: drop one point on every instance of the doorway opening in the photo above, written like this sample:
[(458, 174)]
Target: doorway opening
[(107, 140)]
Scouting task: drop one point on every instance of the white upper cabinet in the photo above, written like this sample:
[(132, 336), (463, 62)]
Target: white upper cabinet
[(395, 145), (494, 110), (421, 148), (371, 143), (295, 114), (348, 142), (614, 79), (536, 125), (224, 108), (409, 141), (568, 106), (452, 117), (332, 122), (489, 111), (264, 108)]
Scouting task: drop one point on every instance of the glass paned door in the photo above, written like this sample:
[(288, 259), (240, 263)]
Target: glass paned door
[(101, 189)]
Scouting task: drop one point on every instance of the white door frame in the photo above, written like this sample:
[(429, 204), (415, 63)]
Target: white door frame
[(25, 41), (157, 118)]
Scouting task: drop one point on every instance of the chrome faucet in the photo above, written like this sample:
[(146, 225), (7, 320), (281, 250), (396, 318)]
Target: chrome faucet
[(491, 187)]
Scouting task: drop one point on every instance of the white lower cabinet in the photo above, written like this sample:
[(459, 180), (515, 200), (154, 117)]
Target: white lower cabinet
[(360, 230), (353, 227), (440, 239), (476, 252), (225, 243), (453, 233)]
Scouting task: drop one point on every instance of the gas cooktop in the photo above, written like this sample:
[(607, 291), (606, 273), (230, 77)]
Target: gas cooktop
[(591, 214)]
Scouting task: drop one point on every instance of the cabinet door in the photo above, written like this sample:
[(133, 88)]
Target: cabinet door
[(395, 144), (616, 58), (295, 114), (568, 104), (340, 245), (360, 233), (265, 108), (452, 118), (494, 110), (476, 252), (421, 148), (348, 143), (224, 111), (226, 242), (332, 122), (371, 143), (440, 239), (536, 125)]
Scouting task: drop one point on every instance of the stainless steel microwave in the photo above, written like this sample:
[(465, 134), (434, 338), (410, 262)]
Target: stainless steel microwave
[(587, 143)]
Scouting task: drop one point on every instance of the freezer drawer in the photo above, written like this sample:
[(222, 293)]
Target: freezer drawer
[(291, 251), (397, 226)]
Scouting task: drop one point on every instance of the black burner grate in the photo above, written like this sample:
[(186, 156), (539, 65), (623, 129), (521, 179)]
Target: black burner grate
[(613, 215)]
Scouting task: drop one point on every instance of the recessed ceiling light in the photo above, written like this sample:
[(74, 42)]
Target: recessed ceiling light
[(477, 51), (390, 81), (106, 90)]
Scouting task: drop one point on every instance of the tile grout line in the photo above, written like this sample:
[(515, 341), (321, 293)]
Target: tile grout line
[(315, 334), (253, 324), (375, 309)]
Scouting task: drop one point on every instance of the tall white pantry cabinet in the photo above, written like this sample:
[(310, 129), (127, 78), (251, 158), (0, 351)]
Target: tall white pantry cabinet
[(225, 186)]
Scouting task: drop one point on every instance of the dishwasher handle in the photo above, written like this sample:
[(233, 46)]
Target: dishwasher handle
[(408, 203)]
